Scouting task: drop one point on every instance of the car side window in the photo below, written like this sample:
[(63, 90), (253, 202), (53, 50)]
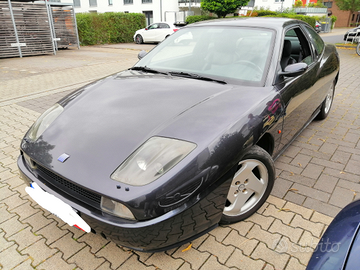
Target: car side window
[(153, 26), (316, 40), (296, 48), (164, 25)]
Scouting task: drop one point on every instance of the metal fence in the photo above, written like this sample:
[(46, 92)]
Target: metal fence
[(325, 25), (28, 28)]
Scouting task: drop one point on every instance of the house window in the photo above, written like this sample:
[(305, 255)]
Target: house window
[(110, 2), (328, 4), (128, 2), (77, 3), (146, 1), (92, 3)]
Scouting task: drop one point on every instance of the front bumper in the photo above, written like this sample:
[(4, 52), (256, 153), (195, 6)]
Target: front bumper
[(172, 229)]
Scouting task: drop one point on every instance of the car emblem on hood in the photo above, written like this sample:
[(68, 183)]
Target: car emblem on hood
[(63, 157)]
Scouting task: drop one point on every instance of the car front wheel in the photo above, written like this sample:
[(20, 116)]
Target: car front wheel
[(139, 39), (251, 185)]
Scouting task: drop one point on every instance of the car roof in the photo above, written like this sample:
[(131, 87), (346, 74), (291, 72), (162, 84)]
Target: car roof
[(263, 22)]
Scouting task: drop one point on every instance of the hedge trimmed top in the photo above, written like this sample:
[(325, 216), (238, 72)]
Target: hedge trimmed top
[(110, 27), (265, 13)]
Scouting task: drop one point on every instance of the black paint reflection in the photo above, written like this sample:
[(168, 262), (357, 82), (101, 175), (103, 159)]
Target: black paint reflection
[(39, 149)]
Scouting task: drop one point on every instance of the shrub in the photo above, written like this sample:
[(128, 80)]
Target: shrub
[(298, 4), (198, 18), (262, 13), (110, 27), (310, 20), (287, 11), (333, 20)]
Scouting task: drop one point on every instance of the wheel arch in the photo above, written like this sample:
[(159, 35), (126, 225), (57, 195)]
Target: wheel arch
[(266, 142), (337, 78)]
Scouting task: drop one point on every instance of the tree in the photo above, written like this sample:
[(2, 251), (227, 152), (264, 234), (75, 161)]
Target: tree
[(223, 7), (298, 4), (348, 5)]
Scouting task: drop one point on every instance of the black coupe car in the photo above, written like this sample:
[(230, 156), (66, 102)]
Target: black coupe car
[(157, 155)]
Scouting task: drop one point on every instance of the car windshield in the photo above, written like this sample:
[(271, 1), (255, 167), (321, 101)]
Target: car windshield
[(233, 54)]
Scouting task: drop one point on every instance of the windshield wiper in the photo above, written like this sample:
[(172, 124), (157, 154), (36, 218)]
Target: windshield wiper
[(147, 69), (195, 76)]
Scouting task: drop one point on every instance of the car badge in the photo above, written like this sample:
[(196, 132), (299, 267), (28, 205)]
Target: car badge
[(63, 157)]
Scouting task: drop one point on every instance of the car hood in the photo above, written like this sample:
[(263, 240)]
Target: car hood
[(103, 123)]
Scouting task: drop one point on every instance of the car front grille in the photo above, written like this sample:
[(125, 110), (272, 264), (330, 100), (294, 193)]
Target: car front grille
[(65, 186)]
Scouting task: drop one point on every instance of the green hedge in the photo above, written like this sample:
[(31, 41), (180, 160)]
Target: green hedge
[(110, 27), (198, 18), (260, 13), (310, 20)]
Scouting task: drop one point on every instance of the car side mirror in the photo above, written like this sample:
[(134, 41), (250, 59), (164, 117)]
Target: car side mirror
[(146, 29), (294, 70), (142, 54)]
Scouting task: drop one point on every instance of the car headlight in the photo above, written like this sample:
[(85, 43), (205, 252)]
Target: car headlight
[(151, 160), (115, 208), (44, 121)]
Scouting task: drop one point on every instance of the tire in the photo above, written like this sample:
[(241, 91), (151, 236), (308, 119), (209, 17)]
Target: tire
[(326, 105), (251, 185), (358, 48), (139, 39)]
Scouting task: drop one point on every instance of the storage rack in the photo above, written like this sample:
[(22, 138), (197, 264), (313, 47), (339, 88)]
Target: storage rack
[(33, 28)]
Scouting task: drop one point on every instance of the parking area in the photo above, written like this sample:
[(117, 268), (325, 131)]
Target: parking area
[(316, 176)]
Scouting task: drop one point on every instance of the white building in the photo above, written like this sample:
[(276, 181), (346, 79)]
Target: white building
[(154, 10), (166, 10), (273, 5)]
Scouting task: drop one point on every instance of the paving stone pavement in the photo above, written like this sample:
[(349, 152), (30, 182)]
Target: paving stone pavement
[(317, 176)]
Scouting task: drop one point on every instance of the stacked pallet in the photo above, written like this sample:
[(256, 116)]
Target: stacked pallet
[(65, 27), (33, 29)]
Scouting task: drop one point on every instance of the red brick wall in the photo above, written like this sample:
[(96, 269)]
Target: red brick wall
[(342, 16)]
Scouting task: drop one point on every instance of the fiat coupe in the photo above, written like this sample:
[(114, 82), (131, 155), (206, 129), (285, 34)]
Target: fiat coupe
[(157, 155)]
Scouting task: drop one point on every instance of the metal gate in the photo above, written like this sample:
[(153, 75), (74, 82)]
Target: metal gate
[(325, 25), (28, 28)]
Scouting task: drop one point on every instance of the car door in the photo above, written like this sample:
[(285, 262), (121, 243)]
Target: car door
[(151, 33), (163, 31), (300, 94)]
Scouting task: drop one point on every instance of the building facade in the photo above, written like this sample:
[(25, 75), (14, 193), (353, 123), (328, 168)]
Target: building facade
[(178, 10), (344, 18), (154, 10)]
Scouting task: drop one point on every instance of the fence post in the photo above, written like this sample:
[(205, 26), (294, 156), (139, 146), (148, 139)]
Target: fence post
[(15, 30)]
